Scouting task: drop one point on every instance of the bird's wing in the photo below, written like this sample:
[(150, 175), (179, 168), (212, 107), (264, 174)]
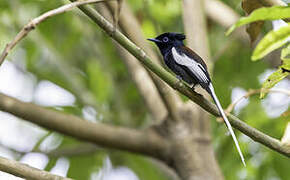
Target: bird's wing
[(196, 67), (193, 55)]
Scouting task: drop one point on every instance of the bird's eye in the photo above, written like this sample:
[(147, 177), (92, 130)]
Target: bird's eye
[(165, 39)]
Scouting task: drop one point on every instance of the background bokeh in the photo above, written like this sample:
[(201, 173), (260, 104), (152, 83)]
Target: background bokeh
[(70, 65)]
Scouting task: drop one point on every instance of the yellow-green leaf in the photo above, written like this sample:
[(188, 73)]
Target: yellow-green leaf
[(273, 79), (261, 14), (272, 41)]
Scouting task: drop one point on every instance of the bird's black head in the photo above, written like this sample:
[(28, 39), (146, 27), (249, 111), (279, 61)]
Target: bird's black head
[(168, 40)]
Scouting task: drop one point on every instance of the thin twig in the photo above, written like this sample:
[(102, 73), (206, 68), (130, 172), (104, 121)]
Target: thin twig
[(25, 171), (34, 22), (253, 92)]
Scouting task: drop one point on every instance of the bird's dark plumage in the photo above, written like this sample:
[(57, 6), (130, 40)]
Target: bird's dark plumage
[(190, 67)]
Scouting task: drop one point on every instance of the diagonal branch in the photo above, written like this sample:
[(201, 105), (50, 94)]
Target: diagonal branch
[(25, 171), (145, 142), (181, 87)]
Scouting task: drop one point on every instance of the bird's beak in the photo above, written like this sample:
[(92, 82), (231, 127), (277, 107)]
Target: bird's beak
[(154, 40)]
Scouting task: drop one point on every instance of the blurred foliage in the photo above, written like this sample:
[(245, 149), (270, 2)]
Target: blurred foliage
[(72, 52), (273, 40)]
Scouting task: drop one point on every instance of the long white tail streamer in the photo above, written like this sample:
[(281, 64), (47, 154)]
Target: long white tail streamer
[(227, 122)]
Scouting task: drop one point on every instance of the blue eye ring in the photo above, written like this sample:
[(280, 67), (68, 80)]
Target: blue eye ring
[(165, 39)]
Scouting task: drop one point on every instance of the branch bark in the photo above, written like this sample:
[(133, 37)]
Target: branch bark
[(174, 83), (145, 142), (25, 171), (194, 20)]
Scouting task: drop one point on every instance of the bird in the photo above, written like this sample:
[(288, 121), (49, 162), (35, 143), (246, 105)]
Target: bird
[(190, 67)]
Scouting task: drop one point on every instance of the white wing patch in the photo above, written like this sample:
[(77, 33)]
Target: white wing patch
[(196, 68)]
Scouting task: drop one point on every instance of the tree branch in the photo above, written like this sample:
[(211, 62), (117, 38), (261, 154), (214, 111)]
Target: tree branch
[(25, 171), (195, 26), (181, 87), (145, 142)]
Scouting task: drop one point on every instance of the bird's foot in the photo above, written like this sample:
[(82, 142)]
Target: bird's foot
[(178, 83), (192, 86)]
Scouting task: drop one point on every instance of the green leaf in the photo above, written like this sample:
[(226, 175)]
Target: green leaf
[(271, 13), (273, 79), (272, 41)]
